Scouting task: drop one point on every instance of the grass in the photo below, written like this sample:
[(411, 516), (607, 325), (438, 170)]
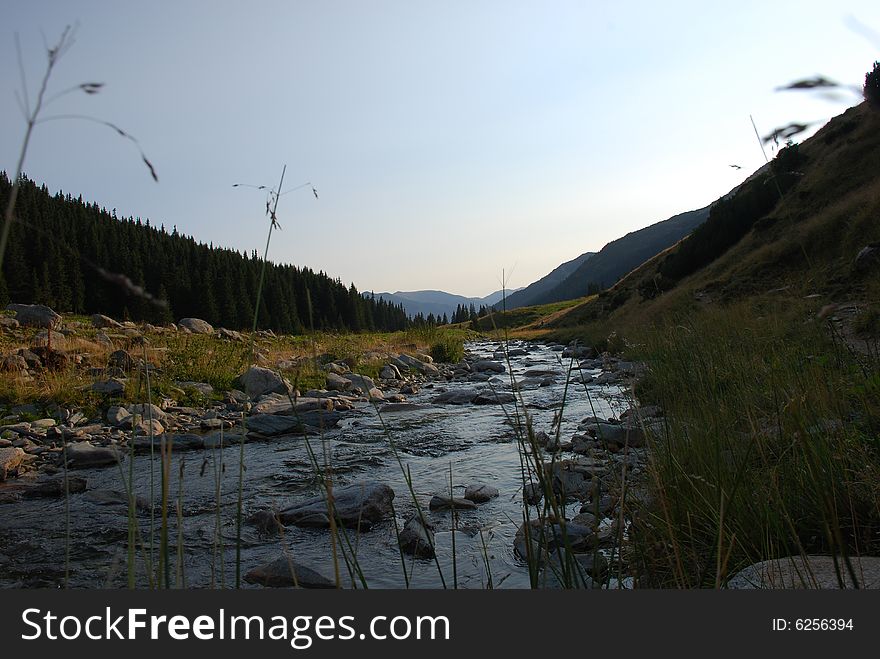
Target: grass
[(770, 448)]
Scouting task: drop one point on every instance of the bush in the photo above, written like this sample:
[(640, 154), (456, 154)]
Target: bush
[(448, 350), (871, 90)]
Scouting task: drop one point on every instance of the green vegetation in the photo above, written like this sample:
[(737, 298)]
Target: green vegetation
[(77, 257), (872, 86), (770, 447)]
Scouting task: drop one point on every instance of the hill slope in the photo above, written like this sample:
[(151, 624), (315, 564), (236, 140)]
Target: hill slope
[(75, 256), (532, 293), (756, 245), (622, 255)]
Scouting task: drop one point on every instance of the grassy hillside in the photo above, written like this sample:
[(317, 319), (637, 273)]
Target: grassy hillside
[(804, 244)]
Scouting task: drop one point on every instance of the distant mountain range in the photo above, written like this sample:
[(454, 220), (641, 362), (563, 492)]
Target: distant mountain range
[(437, 302), (576, 278)]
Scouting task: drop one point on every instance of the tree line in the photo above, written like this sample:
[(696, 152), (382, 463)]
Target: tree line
[(75, 256)]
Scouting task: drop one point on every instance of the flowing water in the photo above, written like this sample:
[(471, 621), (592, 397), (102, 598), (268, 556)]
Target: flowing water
[(469, 444)]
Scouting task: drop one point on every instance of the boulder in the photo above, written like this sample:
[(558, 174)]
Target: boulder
[(196, 325), (356, 506), (116, 415), (867, 257), (111, 387), (810, 572), (480, 493), (494, 398), (485, 365), (13, 364), (10, 461), (271, 425), (417, 538), (541, 538), (101, 321), (533, 493), (83, 455), (265, 522), (229, 335), (336, 382), (362, 382), (622, 434), (35, 315), (578, 352), (121, 359), (455, 397), (258, 381), (390, 372), (148, 411), (284, 572)]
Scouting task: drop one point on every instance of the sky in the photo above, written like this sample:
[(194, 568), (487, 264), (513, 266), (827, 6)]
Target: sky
[(449, 141)]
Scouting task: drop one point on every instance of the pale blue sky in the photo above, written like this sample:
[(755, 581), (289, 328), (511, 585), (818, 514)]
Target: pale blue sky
[(447, 140)]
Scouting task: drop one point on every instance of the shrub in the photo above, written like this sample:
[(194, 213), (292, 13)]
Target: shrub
[(871, 90), (448, 349)]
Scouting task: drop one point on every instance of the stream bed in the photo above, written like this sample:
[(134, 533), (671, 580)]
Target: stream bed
[(467, 443)]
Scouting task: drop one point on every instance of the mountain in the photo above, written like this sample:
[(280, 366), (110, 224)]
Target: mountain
[(804, 229), (437, 302), (533, 293), (75, 256), (620, 256)]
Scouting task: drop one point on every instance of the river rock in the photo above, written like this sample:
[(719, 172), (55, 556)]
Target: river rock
[(10, 461), (362, 382), (480, 493), (485, 365), (196, 325), (810, 572), (456, 397), (111, 387), (272, 425), (284, 572), (446, 502), (390, 372), (494, 398), (336, 382), (546, 537), (82, 455), (258, 381), (540, 373), (533, 493), (266, 522), (623, 434), (116, 414), (417, 538), (35, 315), (578, 352), (147, 411), (358, 505)]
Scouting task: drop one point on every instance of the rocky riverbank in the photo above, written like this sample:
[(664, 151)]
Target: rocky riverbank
[(52, 452)]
